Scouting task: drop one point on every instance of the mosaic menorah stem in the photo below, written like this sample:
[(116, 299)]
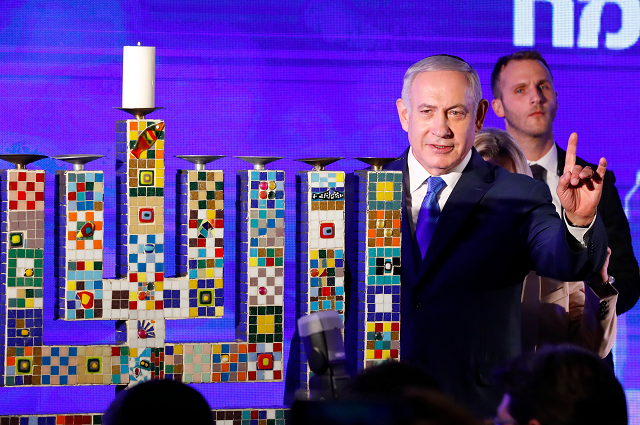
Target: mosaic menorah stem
[(22, 274), (378, 208), (320, 248), (260, 275)]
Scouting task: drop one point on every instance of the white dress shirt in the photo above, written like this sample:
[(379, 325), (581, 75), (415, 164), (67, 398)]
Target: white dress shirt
[(418, 186), (418, 189)]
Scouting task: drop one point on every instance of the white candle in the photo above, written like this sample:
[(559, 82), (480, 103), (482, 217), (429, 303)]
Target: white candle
[(139, 77)]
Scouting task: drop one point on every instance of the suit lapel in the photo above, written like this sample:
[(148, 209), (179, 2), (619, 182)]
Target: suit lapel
[(562, 156), (476, 179)]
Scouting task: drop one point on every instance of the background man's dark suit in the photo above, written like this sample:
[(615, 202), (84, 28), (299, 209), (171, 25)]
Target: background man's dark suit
[(460, 313), (622, 264)]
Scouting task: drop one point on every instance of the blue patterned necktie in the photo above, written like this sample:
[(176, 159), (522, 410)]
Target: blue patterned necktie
[(429, 214)]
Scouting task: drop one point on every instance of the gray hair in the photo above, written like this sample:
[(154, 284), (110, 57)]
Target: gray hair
[(443, 63), (492, 143)]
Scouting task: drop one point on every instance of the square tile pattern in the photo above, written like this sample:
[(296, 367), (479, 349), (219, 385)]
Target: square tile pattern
[(66, 365), (79, 419), (380, 199), (251, 417), (205, 237), (25, 190), (145, 364), (80, 209)]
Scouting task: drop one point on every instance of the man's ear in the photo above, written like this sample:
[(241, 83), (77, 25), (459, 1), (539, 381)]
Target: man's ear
[(534, 422), (403, 114), (481, 114), (496, 104)]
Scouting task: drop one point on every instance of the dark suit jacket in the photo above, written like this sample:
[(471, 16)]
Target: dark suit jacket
[(460, 307), (622, 264)]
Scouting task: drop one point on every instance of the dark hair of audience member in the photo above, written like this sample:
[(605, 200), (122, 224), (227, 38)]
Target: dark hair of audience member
[(504, 60), (409, 389), (563, 385), (159, 402), (389, 378)]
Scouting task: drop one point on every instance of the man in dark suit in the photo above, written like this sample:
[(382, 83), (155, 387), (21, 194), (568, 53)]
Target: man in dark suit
[(485, 229), (525, 96)]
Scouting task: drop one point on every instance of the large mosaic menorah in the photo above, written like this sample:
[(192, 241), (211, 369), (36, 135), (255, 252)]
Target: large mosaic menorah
[(141, 298)]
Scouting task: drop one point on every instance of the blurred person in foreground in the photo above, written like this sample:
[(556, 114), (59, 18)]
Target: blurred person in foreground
[(562, 385), (159, 402), (554, 311), (390, 393)]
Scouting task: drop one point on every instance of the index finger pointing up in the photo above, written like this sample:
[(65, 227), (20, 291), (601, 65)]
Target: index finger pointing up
[(570, 160)]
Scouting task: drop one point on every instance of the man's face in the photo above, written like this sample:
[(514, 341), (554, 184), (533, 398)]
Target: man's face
[(528, 101), (440, 119)]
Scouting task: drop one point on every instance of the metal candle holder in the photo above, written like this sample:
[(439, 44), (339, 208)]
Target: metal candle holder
[(140, 113), (21, 160), (376, 163), (259, 161), (200, 161), (318, 164), (78, 161)]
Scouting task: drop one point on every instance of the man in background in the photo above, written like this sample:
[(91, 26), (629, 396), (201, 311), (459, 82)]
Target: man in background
[(525, 97)]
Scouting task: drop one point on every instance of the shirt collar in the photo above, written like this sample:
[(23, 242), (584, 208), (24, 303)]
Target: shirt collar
[(417, 173), (549, 161)]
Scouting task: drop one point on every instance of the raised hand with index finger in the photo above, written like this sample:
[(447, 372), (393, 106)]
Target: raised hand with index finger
[(579, 189)]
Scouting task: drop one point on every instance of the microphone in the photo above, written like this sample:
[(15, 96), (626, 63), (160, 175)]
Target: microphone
[(321, 333)]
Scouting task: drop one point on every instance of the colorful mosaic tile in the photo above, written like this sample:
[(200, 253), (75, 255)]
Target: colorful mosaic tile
[(221, 417), (144, 333), (264, 362), (250, 417), (173, 355), (139, 296), (115, 299), (383, 340), (80, 419), (24, 268), (25, 229), (58, 366), (24, 327), (266, 287), (265, 324), (79, 209), (19, 368), (321, 235), (229, 362), (25, 190), (146, 272), (119, 365), (379, 207), (196, 361), (145, 364), (261, 283), (176, 298)]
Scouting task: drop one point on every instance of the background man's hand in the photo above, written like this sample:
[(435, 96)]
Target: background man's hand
[(579, 189)]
